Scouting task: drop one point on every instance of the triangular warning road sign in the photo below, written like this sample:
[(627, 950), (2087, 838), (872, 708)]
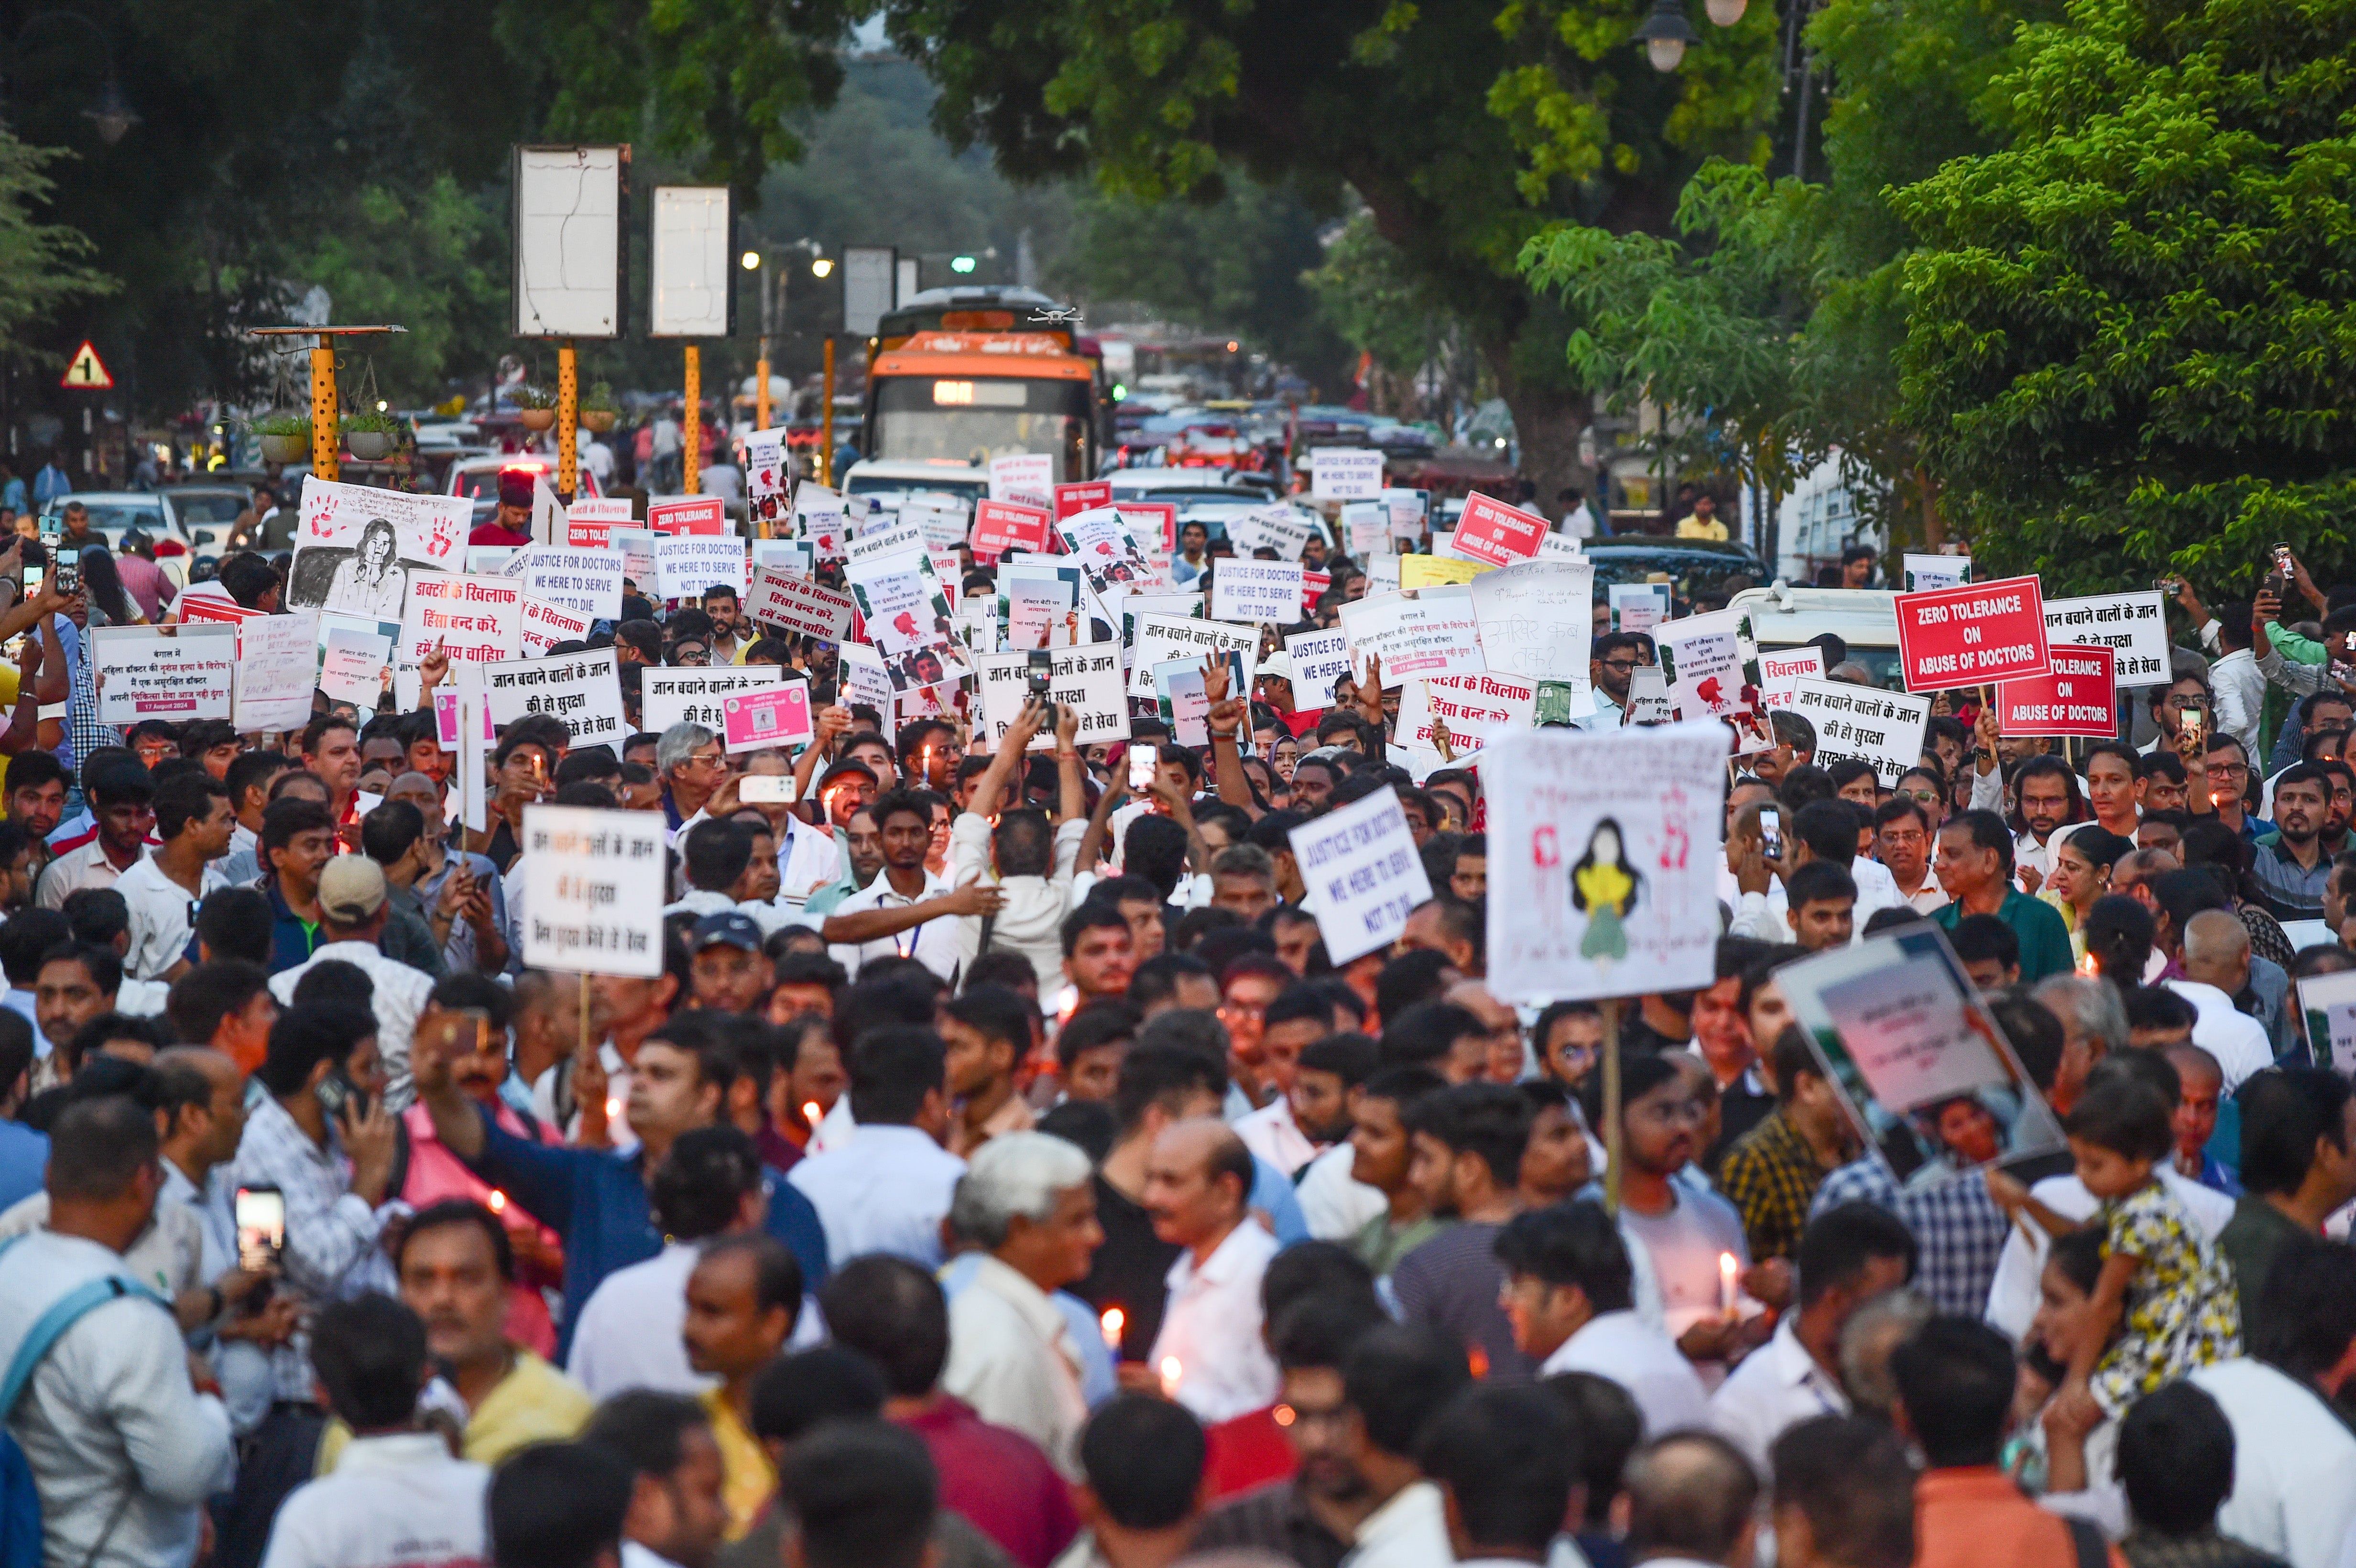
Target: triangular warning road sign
[(86, 370)]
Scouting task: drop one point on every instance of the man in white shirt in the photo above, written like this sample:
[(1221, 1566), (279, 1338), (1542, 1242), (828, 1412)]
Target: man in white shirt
[(1211, 1354), (352, 913), (1396, 1378), (2216, 968), (1847, 1255), (906, 911), (1031, 862), (396, 1498), (887, 1188), (1569, 1296), (122, 804), (161, 892), (1028, 1199)]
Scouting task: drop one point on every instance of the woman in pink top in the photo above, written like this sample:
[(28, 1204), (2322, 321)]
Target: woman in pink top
[(477, 1042)]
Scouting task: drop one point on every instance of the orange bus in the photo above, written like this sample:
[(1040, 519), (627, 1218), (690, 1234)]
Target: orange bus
[(967, 396)]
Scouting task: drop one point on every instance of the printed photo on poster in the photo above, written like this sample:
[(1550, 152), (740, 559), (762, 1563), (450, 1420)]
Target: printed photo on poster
[(355, 546)]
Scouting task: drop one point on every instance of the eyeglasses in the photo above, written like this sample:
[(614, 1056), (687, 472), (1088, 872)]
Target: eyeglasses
[(1622, 667), (711, 760), (2227, 770)]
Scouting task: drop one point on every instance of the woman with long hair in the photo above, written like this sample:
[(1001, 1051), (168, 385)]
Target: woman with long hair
[(369, 581), (1605, 885), (109, 605)]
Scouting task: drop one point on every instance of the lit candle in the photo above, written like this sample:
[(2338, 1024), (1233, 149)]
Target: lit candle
[(613, 1109), (812, 1114), (1172, 1373), (499, 1201), (1111, 1324), (2089, 968), (1726, 1286)]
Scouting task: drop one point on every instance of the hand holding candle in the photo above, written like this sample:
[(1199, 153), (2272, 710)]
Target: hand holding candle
[(1726, 1289)]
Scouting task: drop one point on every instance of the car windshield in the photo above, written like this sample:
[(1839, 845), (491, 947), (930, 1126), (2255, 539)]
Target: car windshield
[(202, 507), (113, 517), (894, 494), (921, 419)]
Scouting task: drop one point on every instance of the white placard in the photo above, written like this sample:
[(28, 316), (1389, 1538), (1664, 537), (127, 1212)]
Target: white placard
[(490, 559), (476, 620), (1256, 592), (587, 581), (353, 670), (1779, 667), (592, 891), (568, 242), (1537, 623), (1319, 659), (1704, 658), (864, 678), (890, 535), (1027, 479), (1638, 606), (1418, 634), (769, 476), (688, 694), (637, 547), (1882, 728), (822, 518), (694, 266), (687, 564), (1160, 638), (798, 604), (174, 673), (1924, 572), (1087, 679), (1345, 474), (943, 520), (2135, 625), (354, 545), (1477, 709), (1603, 853), (541, 625), (1284, 529), (277, 669), (2327, 1003), (1361, 863), (582, 690)]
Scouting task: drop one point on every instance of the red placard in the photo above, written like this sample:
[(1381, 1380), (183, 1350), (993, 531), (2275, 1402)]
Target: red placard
[(1500, 535), (1971, 633), (1163, 515), (688, 514), (1001, 526), (1313, 585), (1072, 499), (2078, 696)]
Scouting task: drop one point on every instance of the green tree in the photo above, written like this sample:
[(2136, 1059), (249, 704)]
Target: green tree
[(42, 264), (2132, 333)]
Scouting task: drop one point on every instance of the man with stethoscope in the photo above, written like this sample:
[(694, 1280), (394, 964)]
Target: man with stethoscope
[(906, 911)]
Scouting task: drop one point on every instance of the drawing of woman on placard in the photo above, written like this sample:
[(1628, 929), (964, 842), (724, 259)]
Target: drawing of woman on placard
[(369, 581), (1605, 885)]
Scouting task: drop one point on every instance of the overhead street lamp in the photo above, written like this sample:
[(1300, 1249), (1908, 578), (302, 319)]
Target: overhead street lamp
[(1667, 32), (112, 113)]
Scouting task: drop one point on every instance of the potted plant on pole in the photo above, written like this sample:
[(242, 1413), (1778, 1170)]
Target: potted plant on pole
[(284, 437), (598, 411), (369, 434), (535, 406)]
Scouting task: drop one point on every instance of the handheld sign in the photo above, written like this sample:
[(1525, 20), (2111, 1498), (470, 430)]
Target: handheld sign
[(1002, 526), (756, 719), (2134, 623), (1345, 474), (592, 891), (2078, 696), (1494, 532), (1360, 862), (1974, 633)]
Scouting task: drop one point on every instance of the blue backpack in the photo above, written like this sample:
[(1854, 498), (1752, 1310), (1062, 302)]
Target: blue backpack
[(20, 1504)]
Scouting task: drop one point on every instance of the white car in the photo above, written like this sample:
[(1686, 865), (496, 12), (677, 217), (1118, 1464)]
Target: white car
[(888, 482), (1784, 616), (478, 479)]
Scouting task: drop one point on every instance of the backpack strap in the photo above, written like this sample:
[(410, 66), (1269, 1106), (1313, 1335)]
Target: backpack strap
[(62, 1314)]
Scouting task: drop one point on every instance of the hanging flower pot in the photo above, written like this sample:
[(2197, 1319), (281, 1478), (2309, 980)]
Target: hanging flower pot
[(285, 448), (368, 445), (597, 421), (537, 419)]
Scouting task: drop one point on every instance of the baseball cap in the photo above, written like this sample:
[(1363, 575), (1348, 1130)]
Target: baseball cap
[(352, 889), (733, 929), (1278, 664)]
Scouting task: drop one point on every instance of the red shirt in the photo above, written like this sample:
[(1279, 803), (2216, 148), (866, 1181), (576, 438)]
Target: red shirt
[(493, 537), (1967, 1518), (1247, 1452), (998, 1480)]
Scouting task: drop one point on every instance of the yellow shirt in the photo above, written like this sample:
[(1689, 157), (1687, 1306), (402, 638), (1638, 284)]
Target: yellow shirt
[(1692, 527), (746, 1476), (533, 1403)]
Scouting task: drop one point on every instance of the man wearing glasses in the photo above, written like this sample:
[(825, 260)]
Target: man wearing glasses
[(1617, 655), (2169, 704), (2227, 767), (691, 764)]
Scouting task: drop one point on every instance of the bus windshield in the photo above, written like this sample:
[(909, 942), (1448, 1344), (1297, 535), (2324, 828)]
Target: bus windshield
[(921, 418)]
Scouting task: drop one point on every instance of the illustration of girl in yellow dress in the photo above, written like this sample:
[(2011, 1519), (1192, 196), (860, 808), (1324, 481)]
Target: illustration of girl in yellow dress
[(1605, 885)]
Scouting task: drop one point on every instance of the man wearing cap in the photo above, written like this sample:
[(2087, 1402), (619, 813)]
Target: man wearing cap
[(509, 527), (352, 914), (730, 972)]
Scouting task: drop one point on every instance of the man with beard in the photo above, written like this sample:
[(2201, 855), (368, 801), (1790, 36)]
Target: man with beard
[(1612, 668), (2048, 794), (2291, 863), (1466, 1161), (2341, 809)]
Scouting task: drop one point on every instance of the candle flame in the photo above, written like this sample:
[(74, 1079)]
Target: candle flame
[(1171, 1375), (499, 1201), (811, 1113), (1112, 1322), (613, 1109), (2089, 968)]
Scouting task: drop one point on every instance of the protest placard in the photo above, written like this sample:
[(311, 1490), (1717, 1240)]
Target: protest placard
[(1087, 679), (1538, 621), (1040, 613), (822, 519), (687, 564), (1314, 585), (1084, 496), (1437, 571), (768, 481), (582, 690), (1778, 668), (1923, 572), (886, 534), (1706, 658), (907, 615), (588, 582), (692, 694), (1902, 1035), (353, 666), (213, 607), (1382, 574), (798, 604), (1345, 474), (1101, 546), (1162, 638), (541, 625), (1883, 729), (162, 672), (683, 514), (1153, 524), (1002, 526), (1366, 527), (2135, 625), (1184, 701), (1491, 531), (475, 620), (277, 669), (592, 891), (2076, 697), (1475, 708), (1027, 476), (758, 720), (795, 558), (943, 520), (1256, 592), (1284, 529), (353, 545), (2327, 1005), (589, 522), (1422, 632), (1968, 635), (637, 547), (1604, 849), (1638, 606), (490, 559), (1361, 863), (1409, 509), (1649, 701), (1318, 659)]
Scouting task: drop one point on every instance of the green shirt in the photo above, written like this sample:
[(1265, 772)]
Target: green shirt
[(2251, 1239), (2044, 940), (1380, 1246)]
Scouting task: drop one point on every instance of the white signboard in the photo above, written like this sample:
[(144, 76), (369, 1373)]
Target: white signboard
[(1703, 656), (582, 690), (864, 678), (174, 673), (569, 211), (1924, 572), (1345, 474), (1538, 621), (277, 669), (542, 626), (1160, 638), (587, 581), (1362, 864), (821, 518), (690, 695), (1087, 679), (475, 620), (1284, 529), (798, 604), (1475, 708), (1256, 592), (2134, 624), (1882, 728), (1418, 634), (687, 564), (352, 666), (1319, 659), (353, 545), (1026, 479), (1638, 606), (1779, 667), (694, 265), (592, 891), (1604, 855), (2327, 1003)]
